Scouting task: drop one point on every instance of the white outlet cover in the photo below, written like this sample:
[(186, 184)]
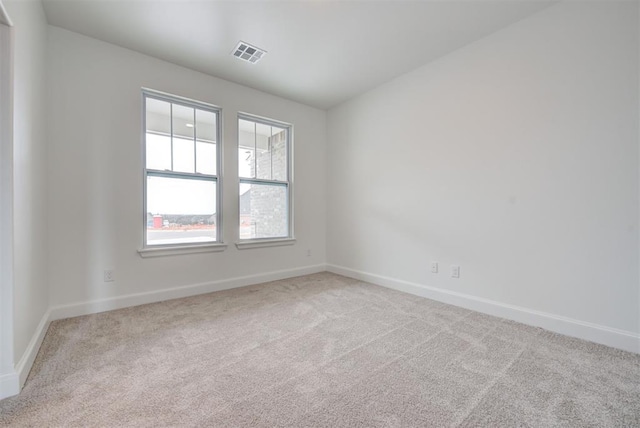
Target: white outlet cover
[(455, 271), (434, 267)]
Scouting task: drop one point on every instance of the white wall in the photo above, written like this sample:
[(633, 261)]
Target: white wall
[(31, 293), (515, 157), (95, 176)]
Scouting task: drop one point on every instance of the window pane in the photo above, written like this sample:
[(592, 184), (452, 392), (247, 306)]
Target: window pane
[(158, 154), (263, 151), (205, 144), (245, 163), (205, 158), (183, 139), (183, 159), (246, 148), (264, 211), (206, 126), (279, 154), (158, 116), (180, 211), (183, 122)]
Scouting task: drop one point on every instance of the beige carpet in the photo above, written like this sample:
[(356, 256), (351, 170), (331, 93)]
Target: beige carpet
[(319, 350)]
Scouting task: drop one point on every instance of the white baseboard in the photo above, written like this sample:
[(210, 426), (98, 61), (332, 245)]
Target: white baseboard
[(621, 339), (26, 362), (119, 302), (9, 384)]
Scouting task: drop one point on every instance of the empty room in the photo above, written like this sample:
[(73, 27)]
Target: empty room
[(319, 213)]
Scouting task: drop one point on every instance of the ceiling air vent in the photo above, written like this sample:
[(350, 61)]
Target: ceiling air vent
[(249, 53)]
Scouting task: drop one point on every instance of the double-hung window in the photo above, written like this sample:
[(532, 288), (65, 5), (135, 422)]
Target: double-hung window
[(181, 172), (264, 154)]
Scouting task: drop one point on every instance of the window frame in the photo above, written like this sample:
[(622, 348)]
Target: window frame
[(271, 241), (184, 247)]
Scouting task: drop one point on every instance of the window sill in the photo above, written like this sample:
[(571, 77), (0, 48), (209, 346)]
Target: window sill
[(180, 250), (262, 243)]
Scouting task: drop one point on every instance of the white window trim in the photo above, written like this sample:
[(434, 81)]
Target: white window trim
[(245, 244), (147, 251), (180, 249)]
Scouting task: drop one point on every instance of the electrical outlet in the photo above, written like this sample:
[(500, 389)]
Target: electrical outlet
[(109, 275), (308, 253), (434, 267), (455, 271)]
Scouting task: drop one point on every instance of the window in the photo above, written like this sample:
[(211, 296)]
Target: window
[(264, 157), (181, 167)]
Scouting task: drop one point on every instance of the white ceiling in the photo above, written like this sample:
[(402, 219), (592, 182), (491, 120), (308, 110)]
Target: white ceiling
[(320, 53)]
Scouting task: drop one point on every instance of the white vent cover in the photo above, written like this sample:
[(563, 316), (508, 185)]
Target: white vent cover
[(247, 52)]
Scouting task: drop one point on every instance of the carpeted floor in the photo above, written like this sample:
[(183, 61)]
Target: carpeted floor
[(319, 350)]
